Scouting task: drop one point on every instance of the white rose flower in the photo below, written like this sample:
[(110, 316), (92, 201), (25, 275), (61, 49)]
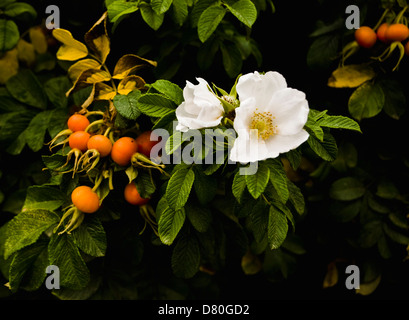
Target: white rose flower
[(201, 108), (277, 114)]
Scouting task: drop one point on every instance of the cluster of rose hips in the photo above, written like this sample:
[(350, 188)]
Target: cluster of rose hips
[(87, 149), (366, 37)]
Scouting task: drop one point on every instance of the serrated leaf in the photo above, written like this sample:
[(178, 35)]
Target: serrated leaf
[(29, 263), (209, 20), (326, 149), (185, 259), (366, 101), (238, 186), (155, 105), (256, 183), (127, 105), (179, 187), (170, 90), (26, 228), (90, 237), (64, 253), (244, 10), (259, 217), (277, 228), (43, 197), (278, 178), (170, 221), (339, 122)]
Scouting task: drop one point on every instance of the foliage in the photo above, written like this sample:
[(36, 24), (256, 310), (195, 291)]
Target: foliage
[(340, 192)]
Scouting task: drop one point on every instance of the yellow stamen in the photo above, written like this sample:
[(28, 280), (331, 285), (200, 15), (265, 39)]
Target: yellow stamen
[(264, 124)]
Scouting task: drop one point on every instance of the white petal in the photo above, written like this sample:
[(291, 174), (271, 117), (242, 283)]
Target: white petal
[(244, 113), (260, 86), (290, 109), (280, 143), (247, 148)]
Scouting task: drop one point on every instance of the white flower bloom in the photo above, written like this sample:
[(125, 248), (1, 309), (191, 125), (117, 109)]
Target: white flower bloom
[(201, 108), (275, 112)]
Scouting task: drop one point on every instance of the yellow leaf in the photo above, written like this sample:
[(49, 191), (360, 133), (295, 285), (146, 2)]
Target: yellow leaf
[(26, 52), (97, 39), (250, 263), (351, 76), (70, 49), (331, 277), (80, 66), (8, 65), (367, 288), (130, 83), (104, 91), (88, 77), (38, 39), (130, 63)]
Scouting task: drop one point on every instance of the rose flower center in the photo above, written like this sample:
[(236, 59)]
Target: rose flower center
[(263, 123)]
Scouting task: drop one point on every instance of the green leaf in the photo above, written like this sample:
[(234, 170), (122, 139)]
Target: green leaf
[(43, 197), (179, 187), (200, 217), (26, 88), (326, 149), (395, 99), (64, 253), (170, 221), (232, 60), (323, 51), (9, 35), (259, 217), (205, 186), (238, 186), (256, 183), (145, 184), (118, 9), (180, 11), (366, 101), (209, 20), (161, 6), (127, 105), (153, 19), (278, 178), (155, 105), (90, 237), (347, 189), (277, 227), (26, 228), (27, 268), (15, 9), (170, 90), (36, 130), (185, 259), (339, 122), (55, 89), (395, 235), (296, 197), (244, 10)]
